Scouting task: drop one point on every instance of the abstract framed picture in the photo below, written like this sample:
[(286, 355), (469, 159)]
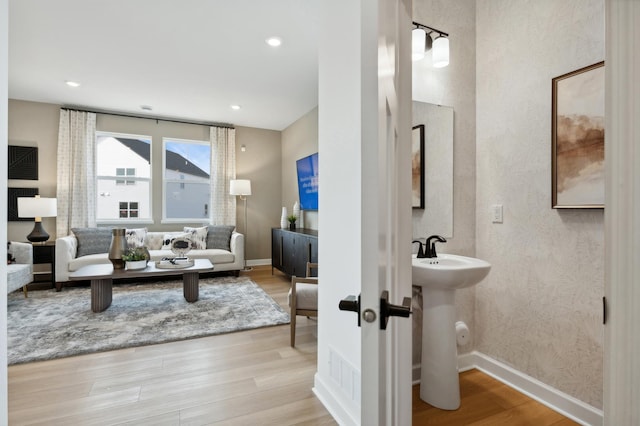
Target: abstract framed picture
[(417, 167), (12, 203), (577, 139), (22, 162)]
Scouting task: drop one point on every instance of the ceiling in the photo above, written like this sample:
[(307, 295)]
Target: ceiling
[(187, 59)]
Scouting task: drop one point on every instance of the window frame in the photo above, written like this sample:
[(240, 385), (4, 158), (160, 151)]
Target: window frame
[(128, 181)]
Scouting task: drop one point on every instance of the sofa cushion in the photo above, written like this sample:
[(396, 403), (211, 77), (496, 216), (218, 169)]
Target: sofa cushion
[(219, 237), (198, 237), (18, 275), (135, 237), (92, 240), (90, 259)]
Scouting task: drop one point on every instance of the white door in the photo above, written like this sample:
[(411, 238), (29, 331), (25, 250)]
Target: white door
[(386, 207)]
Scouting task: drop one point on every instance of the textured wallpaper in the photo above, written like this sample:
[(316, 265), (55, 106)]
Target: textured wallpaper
[(540, 309)]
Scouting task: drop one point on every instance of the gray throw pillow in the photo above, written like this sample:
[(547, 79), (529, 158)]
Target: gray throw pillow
[(219, 237), (92, 240)]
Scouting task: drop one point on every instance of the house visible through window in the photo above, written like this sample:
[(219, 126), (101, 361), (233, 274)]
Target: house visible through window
[(128, 209), (123, 170), (186, 179)]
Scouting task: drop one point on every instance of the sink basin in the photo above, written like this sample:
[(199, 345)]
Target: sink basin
[(439, 278), (448, 271)]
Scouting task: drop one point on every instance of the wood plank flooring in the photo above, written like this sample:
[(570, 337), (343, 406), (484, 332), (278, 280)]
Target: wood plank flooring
[(246, 378)]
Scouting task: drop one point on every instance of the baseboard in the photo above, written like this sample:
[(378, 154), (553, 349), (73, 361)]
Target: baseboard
[(259, 262), (561, 402), (333, 406)]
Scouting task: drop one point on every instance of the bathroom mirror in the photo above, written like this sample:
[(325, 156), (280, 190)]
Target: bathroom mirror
[(437, 215)]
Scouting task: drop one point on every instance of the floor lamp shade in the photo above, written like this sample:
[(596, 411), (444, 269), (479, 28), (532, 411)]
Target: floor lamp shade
[(37, 208), (240, 187)]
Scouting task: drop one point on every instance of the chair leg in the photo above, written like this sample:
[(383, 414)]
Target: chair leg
[(293, 329), (24, 290)]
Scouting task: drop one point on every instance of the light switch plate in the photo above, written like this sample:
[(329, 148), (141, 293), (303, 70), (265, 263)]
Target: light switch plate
[(496, 213)]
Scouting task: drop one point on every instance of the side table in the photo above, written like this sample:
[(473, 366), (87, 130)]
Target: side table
[(45, 254)]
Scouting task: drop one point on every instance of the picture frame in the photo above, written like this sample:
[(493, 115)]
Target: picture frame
[(577, 139), (12, 203), (417, 167), (22, 162)]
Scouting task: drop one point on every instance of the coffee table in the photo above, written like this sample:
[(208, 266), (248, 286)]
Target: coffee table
[(103, 275)]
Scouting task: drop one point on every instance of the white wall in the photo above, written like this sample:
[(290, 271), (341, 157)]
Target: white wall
[(299, 140), (339, 122), (4, 96), (540, 308)]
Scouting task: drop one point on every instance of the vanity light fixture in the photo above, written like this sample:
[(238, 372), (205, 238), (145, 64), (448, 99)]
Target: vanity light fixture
[(421, 44)]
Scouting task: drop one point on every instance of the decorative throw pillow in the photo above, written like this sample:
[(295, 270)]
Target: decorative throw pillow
[(198, 237), (92, 240), (219, 237), (135, 237), (170, 236), (10, 258)]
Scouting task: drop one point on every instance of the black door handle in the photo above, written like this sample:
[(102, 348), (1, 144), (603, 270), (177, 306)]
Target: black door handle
[(388, 310), (351, 303)]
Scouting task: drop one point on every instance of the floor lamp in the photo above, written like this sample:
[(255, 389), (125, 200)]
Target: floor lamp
[(242, 188)]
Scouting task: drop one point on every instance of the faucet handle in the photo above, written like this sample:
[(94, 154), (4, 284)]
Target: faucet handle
[(431, 246), (420, 249)]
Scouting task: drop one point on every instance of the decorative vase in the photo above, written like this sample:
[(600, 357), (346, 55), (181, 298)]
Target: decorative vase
[(283, 218), (117, 248), (292, 226), (296, 210)]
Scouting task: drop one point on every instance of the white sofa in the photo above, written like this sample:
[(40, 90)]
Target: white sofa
[(222, 260), (20, 273)]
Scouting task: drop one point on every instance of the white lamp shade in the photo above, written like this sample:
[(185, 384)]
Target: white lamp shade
[(418, 44), (240, 187), (37, 207), (440, 52)]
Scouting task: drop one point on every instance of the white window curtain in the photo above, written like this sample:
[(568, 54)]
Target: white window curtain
[(223, 169), (76, 191)]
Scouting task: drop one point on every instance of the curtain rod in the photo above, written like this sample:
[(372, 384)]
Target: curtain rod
[(171, 120)]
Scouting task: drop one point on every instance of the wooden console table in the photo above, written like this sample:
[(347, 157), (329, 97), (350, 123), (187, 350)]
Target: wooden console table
[(291, 250)]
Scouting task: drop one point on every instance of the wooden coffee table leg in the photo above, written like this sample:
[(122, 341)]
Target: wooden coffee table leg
[(101, 294), (190, 286)]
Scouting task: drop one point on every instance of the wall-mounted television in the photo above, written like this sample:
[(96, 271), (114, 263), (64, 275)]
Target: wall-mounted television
[(307, 169)]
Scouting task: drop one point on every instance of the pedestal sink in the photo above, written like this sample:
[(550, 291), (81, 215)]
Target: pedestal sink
[(439, 278)]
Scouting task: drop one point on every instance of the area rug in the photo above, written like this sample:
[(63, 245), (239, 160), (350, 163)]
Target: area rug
[(50, 324)]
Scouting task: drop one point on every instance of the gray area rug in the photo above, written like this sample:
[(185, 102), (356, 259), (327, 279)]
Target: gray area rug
[(50, 325)]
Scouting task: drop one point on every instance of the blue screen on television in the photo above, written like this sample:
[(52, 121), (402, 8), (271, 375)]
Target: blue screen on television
[(307, 168)]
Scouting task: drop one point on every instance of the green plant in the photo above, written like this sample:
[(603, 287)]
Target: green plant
[(292, 218), (134, 254)]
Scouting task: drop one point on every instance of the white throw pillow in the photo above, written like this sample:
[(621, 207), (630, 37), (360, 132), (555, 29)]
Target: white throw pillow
[(170, 236), (135, 237), (198, 237)]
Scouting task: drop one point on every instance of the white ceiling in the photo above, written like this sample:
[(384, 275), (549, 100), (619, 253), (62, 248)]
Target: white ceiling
[(188, 59)]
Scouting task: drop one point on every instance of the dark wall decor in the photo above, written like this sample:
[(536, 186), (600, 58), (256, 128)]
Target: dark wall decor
[(577, 150), (23, 162), (12, 203), (417, 166)]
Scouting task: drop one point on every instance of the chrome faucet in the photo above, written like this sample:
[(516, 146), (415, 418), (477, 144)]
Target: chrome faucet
[(431, 246)]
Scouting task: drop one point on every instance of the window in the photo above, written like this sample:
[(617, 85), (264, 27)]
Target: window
[(186, 180), (128, 209), (123, 170)]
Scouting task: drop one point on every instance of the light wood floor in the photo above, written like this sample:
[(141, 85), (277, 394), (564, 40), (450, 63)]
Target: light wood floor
[(246, 378)]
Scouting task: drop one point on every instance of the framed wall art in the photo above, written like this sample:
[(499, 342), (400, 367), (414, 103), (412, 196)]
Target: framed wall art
[(12, 203), (22, 162), (577, 138), (417, 167)]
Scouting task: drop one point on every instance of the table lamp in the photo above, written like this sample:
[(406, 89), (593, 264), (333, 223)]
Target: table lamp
[(37, 208)]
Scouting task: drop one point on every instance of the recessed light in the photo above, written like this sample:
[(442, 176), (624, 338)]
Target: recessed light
[(146, 107), (72, 83), (235, 107), (274, 41)]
